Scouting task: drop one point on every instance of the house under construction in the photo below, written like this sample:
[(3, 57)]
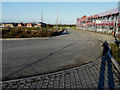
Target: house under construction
[(106, 22)]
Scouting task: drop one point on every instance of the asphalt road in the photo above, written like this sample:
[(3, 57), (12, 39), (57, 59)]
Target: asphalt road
[(22, 58)]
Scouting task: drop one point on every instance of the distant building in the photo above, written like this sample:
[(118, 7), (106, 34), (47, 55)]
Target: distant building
[(106, 22), (7, 25), (41, 24), (29, 25), (21, 25)]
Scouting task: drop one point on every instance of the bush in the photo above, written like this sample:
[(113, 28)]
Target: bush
[(115, 52), (24, 32)]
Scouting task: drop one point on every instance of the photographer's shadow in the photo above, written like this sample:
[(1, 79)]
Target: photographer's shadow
[(106, 63)]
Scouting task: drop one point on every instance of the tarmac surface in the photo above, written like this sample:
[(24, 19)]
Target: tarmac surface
[(97, 74), (31, 57)]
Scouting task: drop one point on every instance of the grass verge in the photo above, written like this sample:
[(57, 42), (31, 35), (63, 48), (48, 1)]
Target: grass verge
[(115, 52)]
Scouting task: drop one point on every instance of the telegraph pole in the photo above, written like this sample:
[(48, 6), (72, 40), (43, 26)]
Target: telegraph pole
[(42, 16), (57, 19), (42, 19)]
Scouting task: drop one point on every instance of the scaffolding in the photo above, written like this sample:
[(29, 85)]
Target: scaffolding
[(106, 22)]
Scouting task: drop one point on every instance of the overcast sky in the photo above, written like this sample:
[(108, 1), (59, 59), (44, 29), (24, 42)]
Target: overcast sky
[(68, 11)]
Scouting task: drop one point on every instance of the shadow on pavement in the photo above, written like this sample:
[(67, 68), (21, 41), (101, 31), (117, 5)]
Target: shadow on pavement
[(65, 31), (106, 63)]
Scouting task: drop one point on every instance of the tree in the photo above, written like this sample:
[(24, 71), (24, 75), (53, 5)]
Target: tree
[(34, 23)]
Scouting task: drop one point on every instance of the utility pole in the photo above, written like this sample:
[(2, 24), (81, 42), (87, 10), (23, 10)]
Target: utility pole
[(42, 20), (42, 16), (57, 19)]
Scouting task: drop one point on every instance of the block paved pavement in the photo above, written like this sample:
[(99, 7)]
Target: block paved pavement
[(97, 74)]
